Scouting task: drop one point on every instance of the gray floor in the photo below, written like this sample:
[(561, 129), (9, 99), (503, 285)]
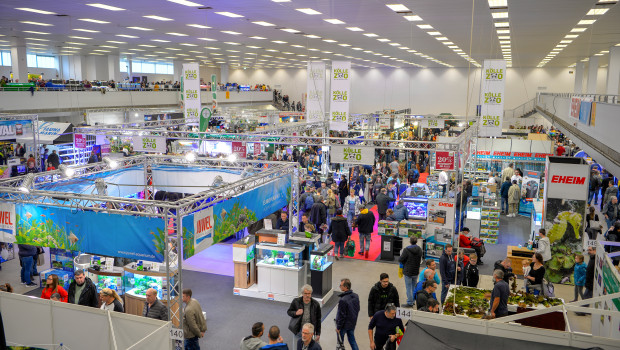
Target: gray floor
[(512, 231)]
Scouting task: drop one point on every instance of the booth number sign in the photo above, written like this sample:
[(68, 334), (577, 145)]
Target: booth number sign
[(403, 313), (176, 334)]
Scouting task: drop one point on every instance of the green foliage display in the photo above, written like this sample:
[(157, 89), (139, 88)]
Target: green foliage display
[(228, 223), (45, 233), (564, 226)]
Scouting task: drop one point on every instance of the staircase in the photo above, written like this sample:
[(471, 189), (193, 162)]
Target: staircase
[(523, 111)]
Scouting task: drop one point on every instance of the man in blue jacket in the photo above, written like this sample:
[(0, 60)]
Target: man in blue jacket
[(275, 340), (447, 269), (348, 309), (400, 211), (503, 191)]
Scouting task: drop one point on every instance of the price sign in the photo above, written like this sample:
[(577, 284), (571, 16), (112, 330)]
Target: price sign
[(176, 334), (281, 239), (268, 224), (402, 312)]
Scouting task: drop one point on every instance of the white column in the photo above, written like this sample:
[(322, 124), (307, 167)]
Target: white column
[(18, 61), (613, 71), (223, 73), (592, 75), (129, 68), (579, 68), (114, 68), (178, 70)]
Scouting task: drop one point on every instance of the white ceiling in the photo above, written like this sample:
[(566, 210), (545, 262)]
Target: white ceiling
[(536, 27)]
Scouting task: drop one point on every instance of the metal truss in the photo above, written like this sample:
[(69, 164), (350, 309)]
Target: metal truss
[(289, 129)]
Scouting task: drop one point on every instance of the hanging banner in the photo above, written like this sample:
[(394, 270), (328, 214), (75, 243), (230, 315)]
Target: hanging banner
[(432, 123), (149, 144), (13, 129), (492, 97), (214, 91), (340, 96), (352, 154), (79, 141), (203, 229), (575, 107), (7, 222), (133, 237), (191, 90), (315, 106), (444, 160), (567, 181)]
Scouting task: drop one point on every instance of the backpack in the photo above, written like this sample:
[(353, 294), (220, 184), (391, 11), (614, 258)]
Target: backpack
[(548, 289), (309, 202)]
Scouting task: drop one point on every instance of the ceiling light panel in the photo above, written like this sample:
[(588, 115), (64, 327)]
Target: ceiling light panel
[(128, 36), (93, 20), (159, 18), (334, 21), (264, 24), (176, 34), (413, 18), (198, 26), (140, 28), (187, 3), (229, 14), (106, 7), (43, 12), (37, 23), (398, 7), (86, 30), (309, 11)]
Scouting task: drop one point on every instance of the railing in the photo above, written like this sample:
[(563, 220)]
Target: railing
[(613, 99), (100, 89), (525, 109)]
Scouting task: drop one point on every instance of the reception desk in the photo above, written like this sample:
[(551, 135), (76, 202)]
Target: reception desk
[(517, 255)]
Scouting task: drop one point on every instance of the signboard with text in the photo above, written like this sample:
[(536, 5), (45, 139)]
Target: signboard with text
[(444, 160), (239, 149), (149, 144), (13, 129), (492, 97), (191, 90), (7, 222), (432, 123), (340, 96), (203, 229), (567, 181), (79, 141), (352, 154), (315, 105)]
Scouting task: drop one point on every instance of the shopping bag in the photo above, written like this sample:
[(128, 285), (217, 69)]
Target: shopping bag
[(350, 247)]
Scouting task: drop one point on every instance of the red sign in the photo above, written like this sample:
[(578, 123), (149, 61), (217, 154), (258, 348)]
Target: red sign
[(79, 141), (444, 161), (256, 149), (5, 218), (238, 148), (444, 204), (575, 180)]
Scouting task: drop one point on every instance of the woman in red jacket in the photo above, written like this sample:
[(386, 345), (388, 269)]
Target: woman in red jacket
[(53, 287)]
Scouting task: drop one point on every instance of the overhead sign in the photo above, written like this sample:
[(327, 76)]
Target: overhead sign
[(340, 96), (492, 97), (239, 149), (7, 222), (191, 90), (315, 105), (352, 154), (513, 155), (149, 144), (203, 229), (432, 123), (385, 123), (567, 181), (79, 141), (13, 129), (444, 160)]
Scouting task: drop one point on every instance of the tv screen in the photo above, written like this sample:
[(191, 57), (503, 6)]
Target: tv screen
[(417, 208)]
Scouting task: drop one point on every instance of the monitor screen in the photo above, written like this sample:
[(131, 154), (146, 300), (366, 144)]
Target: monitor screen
[(417, 208), (21, 168)]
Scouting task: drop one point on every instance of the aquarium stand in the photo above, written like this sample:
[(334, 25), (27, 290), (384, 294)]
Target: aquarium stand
[(321, 270)]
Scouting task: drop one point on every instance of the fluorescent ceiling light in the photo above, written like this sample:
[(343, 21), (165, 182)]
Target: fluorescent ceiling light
[(231, 43), (413, 18), (344, 45), (504, 41), (37, 44), (397, 7), (425, 26), (264, 24), (453, 47), (176, 34), (502, 24), (86, 30), (434, 33), (371, 35), (309, 11), (102, 50), (79, 37), (158, 18), (186, 44), (106, 7), (257, 37), (448, 43), (37, 23), (253, 47), (138, 50), (597, 12), (383, 40), (290, 30), (140, 28), (395, 44), (128, 36), (207, 39), (355, 29), (160, 40), (316, 49), (584, 22), (578, 30), (93, 20), (503, 31), (144, 45), (356, 48), (334, 21), (74, 43), (499, 14), (229, 14), (186, 3), (279, 42), (330, 41), (171, 48), (562, 45), (37, 39), (35, 11), (109, 47), (198, 26), (571, 36), (566, 41), (230, 32), (311, 36)]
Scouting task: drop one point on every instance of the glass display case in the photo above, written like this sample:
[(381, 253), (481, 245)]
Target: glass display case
[(140, 276), (320, 259), (288, 255), (280, 269), (408, 228), (307, 239), (108, 279), (321, 270)]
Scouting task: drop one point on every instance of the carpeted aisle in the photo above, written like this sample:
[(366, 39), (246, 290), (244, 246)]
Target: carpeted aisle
[(375, 241)]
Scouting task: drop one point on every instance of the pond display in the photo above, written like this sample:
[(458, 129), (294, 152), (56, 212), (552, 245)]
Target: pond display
[(564, 225)]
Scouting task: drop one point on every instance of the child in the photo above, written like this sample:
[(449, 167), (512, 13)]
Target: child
[(579, 276), (55, 297), (471, 272), (526, 266)]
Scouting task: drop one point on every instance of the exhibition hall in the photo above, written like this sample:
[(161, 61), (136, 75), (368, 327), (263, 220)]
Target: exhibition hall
[(286, 174)]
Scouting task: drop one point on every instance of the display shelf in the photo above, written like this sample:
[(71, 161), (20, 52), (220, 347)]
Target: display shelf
[(489, 220), (408, 228), (387, 228)]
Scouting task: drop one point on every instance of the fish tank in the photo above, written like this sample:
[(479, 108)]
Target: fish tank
[(113, 282), (408, 228), (320, 259), (244, 249), (288, 255), (137, 282), (416, 207), (387, 228)]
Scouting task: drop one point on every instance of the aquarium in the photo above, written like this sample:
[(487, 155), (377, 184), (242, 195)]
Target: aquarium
[(320, 259), (244, 249), (111, 282), (416, 207), (136, 284), (288, 255), (387, 228)]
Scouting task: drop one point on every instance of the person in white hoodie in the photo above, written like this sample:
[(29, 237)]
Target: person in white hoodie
[(544, 245), (254, 341)]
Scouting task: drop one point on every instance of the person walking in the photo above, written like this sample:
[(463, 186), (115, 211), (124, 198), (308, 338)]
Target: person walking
[(514, 196), (579, 276), (365, 226), (410, 260), (428, 292), (348, 310), (27, 253), (343, 190), (448, 270), (381, 294), (305, 310), (318, 214), (544, 245), (194, 323), (610, 191), (611, 212), (340, 232), (593, 188), (351, 208)]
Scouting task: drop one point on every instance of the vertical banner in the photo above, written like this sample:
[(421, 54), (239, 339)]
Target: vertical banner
[(191, 90), (203, 229), (79, 141), (7, 222), (606, 281), (239, 149), (492, 95), (315, 107), (340, 94), (214, 91)]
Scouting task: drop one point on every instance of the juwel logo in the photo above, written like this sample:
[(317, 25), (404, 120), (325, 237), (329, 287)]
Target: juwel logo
[(490, 120), (191, 74), (7, 130), (339, 116), (341, 74), (493, 98), (149, 143), (339, 96), (191, 94), (352, 154), (494, 74)]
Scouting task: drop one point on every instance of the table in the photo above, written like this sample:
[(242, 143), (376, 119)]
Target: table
[(516, 255)]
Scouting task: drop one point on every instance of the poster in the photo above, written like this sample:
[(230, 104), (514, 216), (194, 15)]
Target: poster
[(239, 149), (133, 237), (575, 107), (191, 90), (79, 141), (492, 97), (352, 154), (315, 106), (585, 110), (7, 222), (432, 123), (149, 144), (606, 281), (340, 96), (444, 160), (214, 91), (440, 220), (13, 129)]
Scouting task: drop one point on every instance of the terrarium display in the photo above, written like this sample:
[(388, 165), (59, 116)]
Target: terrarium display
[(387, 228), (288, 255)]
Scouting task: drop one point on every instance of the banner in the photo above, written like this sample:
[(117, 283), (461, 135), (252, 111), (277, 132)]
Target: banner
[(124, 236), (239, 149), (352, 154), (7, 222), (567, 181), (13, 129), (575, 107), (492, 95), (149, 144), (214, 91), (79, 141), (585, 110), (444, 160), (191, 90), (315, 107), (432, 123), (203, 229), (606, 281), (340, 96)]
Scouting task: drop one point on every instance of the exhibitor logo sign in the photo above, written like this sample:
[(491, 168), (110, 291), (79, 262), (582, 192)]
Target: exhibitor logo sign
[(574, 180), (7, 222), (353, 154), (191, 94), (7, 130), (444, 161), (315, 115), (491, 121), (315, 95), (191, 74), (493, 98), (494, 74), (339, 116), (203, 229), (192, 112), (339, 96), (149, 144), (341, 74)]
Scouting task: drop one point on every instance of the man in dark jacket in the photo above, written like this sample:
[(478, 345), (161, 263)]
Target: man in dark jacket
[(447, 269), (318, 214), (282, 223), (306, 342), (383, 201), (365, 226), (53, 159), (340, 232), (410, 260), (306, 310), (348, 309), (400, 211), (426, 294), (82, 291), (503, 191), (590, 275), (153, 307), (504, 265), (381, 294), (27, 257)]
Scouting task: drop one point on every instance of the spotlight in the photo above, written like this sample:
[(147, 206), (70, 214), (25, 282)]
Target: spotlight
[(190, 157), (218, 181), (232, 158), (66, 171), (102, 188), (27, 183), (111, 163)]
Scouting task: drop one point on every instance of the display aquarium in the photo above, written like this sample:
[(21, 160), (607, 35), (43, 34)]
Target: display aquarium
[(112, 282), (136, 284), (320, 259), (288, 255)]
